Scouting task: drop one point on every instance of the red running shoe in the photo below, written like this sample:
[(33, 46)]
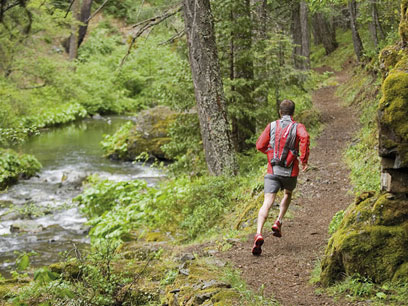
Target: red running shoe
[(258, 242), (276, 229)]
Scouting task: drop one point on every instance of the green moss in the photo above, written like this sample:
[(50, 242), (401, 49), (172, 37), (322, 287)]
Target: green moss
[(393, 103), (372, 240), (226, 297), (9, 287), (388, 58), (403, 27), (401, 275)]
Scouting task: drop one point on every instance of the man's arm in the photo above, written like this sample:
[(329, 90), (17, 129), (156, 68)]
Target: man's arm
[(304, 143), (263, 141)]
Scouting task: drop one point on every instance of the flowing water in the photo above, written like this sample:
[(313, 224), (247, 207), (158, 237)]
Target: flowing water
[(37, 214)]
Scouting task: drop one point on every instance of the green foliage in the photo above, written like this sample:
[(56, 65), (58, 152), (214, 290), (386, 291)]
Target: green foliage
[(335, 222), (362, 154), (96, 282), (134, 11), (182, 205), (14, 166), (117, 142), (185, 146), (44, 275), (100, 196), (358, 288)]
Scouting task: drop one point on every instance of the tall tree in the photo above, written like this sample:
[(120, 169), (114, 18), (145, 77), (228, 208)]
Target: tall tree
[(260, 36), (301, 34), (324, 32), (304, 25), (297, 34), (73, 39), (81, 12), (215, 132), (358, 45), (242, 74), (375, 25)]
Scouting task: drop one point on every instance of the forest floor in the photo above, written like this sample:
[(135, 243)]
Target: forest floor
[(285, 266)]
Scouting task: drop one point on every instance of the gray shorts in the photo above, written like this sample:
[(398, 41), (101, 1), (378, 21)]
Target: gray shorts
[(275, 182)]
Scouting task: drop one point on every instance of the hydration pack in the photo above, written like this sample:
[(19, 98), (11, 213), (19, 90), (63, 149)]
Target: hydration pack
[(282, 142)]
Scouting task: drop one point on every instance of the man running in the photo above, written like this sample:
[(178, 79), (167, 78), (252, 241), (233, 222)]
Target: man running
[(281, 141)]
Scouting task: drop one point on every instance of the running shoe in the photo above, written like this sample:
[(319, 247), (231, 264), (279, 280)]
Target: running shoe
[(276, 229), (258, 242)]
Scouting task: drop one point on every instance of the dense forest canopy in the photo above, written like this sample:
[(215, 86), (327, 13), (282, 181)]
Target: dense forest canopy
[(199, 80)]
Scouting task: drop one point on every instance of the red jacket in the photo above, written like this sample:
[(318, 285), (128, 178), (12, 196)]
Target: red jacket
[(302, 146)]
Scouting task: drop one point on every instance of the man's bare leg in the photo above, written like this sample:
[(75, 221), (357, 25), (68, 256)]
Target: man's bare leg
[(263, 212), (284, 205)]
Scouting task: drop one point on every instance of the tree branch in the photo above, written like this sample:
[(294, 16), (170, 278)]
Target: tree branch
[(69, 8), (97, 11), (172, 39), (148, 24)]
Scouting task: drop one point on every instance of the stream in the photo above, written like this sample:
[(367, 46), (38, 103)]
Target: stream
[(37, 214)]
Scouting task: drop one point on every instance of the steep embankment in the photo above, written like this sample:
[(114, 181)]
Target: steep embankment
[(285, 265)]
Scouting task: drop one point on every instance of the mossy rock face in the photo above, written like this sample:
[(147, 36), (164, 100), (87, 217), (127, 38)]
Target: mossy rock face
[(151, 132), (388, 58), (403, 27), (147, 135), (372, 240), (393, 112)]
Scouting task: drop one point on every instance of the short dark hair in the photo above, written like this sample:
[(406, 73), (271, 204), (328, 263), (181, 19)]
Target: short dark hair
[(287, 107)]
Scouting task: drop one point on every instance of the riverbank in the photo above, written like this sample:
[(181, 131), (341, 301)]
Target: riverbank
[(43, 203)]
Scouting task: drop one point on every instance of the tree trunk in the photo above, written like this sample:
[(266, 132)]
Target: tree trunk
[(358, 45), (73, 40), (297, 35), (244, 124), (85, 14), (304, 25), (326, 31), (260, 37), (375, 25), (208, 87), (316, 29)]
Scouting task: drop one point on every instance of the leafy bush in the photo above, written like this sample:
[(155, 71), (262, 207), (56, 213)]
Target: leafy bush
[(102, 195), (93, 279), (14, 165), (185, 206)]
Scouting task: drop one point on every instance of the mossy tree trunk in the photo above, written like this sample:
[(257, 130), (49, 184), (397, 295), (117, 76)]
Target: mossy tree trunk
[(215, 132)]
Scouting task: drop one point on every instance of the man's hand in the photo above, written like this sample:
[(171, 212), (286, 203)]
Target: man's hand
[(304, 167)]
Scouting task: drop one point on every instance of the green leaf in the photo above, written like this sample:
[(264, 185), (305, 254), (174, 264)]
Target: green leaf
[(381, 295), (23, 262)]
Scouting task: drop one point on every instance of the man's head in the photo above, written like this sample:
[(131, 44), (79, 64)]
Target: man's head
[(287, 107)]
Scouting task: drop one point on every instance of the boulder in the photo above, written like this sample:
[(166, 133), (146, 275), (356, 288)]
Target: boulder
[(147, 135), (372, 240)]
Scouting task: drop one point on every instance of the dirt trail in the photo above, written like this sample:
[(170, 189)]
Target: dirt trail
[(285, 265)]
